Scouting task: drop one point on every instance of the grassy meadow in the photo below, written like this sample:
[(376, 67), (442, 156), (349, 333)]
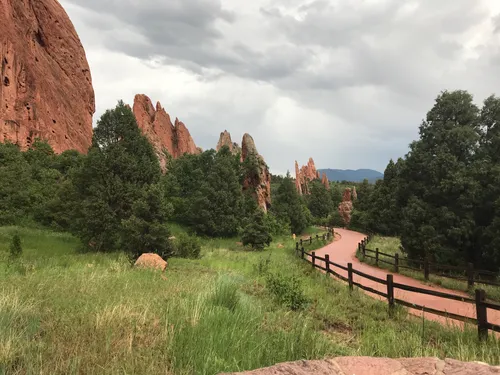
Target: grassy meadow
[(67, 312)]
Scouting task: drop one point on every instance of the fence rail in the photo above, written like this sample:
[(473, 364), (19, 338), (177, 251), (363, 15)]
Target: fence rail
[(480, 302), (472, 275)]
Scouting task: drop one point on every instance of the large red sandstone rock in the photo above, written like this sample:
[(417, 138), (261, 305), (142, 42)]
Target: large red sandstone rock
[(346, 207), (306, 174), (166, 138), (151, 261), (45, 84), (378, 366), (260, 183), (225, 140), (325, 181)]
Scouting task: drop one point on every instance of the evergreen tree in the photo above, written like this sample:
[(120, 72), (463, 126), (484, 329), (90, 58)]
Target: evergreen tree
[(438, 220), (115, 186), (255, 233), (320, 200), (289, 206)]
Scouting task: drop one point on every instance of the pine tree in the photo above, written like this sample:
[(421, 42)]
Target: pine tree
[(255, 233), (115, 185)]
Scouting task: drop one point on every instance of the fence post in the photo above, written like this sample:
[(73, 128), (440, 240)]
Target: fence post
[(313, 259), (303, 255), (396, 263), (327, 263), (426, 269), (359, 246), (350, 275), (481, 313), (470, 275), (390, 291), (297, 246), (310, 240), (301, 242), (317, 237), (376, 256)]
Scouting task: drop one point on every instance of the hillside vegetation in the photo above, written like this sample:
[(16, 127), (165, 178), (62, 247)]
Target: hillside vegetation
[(66, 312)]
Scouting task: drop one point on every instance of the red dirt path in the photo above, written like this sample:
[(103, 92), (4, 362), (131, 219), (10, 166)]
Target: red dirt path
[(343, 251)]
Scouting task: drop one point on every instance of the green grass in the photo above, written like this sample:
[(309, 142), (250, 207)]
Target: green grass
[(63, 312), (390, 245)]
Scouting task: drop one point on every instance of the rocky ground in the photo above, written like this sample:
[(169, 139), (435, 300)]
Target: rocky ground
[(378, 366)]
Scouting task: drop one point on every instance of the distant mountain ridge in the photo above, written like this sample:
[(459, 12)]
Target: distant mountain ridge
[(352, 175)]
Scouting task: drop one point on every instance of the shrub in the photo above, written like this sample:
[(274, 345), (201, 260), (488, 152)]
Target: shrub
[(335, 220), (262, 265), (287, 290), (225, 294), (276, 226), (187, 246), (255, 233), (16, 249)]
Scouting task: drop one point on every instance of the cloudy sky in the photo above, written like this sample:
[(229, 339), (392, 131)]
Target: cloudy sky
[(344, 81)]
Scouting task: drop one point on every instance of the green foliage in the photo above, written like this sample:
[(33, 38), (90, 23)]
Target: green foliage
[(225, 294), (16, 249), (187, 246), (206, 192), (255, 233), (120, 205), (287, 290), (276, 226), (289, 206), (335, 220), (320, 201)]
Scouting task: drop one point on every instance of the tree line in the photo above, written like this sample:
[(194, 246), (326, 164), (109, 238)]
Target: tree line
[(443, 197), (117, 198)]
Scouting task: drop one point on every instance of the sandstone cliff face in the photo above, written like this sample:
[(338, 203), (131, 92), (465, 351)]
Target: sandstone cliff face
[(166, 138), (325, 181), (225, 140), (346, 207), (258, 181), (306, 174), (45, 84)]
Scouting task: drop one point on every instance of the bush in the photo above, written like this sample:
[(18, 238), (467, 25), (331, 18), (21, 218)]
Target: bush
[(187, 246), (276, 226), (255, 232), (225, 294), (335, 220), (16, 249), (287, 290)]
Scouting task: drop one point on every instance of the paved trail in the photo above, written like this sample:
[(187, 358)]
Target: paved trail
[(343, 251)]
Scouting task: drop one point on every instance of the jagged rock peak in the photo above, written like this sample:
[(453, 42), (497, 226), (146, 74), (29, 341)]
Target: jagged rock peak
[(304, 175), (325, 181), (346, 207), (258, 183), (45, 83), (225, 140), (167, 138)]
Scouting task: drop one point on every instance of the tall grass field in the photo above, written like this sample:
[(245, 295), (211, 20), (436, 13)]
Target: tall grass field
[(66, 312)]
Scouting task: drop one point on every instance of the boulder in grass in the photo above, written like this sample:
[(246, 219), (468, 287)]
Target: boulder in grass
[(151, 261)]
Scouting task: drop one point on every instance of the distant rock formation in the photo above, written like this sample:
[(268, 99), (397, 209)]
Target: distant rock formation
[(325, 181), (225, 140), (166, 138), (306, 174), (354, 194), (45, 83), (258, 179), (345, 207)]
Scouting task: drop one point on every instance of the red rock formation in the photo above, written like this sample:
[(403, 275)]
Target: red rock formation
[(354, 194), (225, 140), (167, 139), (260, 182), (325, 181), (345, 207), (298, 178), (376, 366), (152, 261), (45, 84), (303, 176)]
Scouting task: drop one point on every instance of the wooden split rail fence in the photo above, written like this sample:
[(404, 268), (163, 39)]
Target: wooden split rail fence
[(481, 303), (472, 276)]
